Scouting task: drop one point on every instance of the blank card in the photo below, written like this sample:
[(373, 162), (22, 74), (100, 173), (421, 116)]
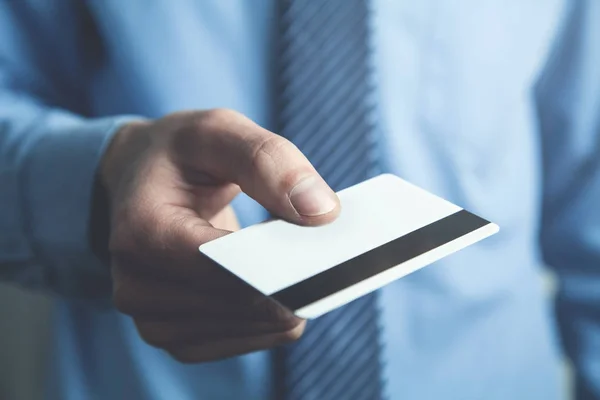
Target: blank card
[(387, 228)]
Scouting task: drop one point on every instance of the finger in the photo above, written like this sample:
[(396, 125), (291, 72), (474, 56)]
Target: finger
[(184, 333), (221, 349), (164, 299), (184, 270), (158, 181), (150, 299), (225, 219), (266, 166), (209, 203)]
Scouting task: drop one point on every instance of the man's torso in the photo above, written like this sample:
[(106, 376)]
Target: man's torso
[(457, 118)]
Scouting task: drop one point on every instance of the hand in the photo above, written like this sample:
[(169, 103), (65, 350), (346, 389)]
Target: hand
[(169, 183)]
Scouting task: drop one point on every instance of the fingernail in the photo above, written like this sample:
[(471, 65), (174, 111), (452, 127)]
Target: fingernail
[(312, 197)]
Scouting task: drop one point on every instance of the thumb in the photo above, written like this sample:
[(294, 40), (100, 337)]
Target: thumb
[(266, 166)]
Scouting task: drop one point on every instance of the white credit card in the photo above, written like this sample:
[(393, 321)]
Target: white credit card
[(387, 229)]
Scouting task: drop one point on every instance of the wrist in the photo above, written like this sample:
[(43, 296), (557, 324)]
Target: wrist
[(120, 152), (113, 160)]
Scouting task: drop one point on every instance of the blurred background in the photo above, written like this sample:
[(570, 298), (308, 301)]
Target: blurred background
[(25, 329)]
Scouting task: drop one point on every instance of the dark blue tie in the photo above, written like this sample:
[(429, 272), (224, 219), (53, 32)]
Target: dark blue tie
[(325, 106)]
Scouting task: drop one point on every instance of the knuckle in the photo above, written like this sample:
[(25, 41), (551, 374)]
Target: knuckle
[(214, 118), (275, 311), (153, 336), (153, 340), (268, 149), (189, 356), (122, 301)]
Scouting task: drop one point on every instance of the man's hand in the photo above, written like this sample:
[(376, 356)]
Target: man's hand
[(169, 183)]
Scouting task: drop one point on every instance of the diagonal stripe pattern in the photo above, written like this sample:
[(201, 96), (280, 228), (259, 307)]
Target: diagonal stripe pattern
[(324, 105)]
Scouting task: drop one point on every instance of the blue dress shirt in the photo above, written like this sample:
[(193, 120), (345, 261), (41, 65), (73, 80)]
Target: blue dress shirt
[(494, 105)]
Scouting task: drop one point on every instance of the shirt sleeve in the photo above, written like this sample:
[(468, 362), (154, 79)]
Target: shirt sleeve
[(568, 104), (48, 156)]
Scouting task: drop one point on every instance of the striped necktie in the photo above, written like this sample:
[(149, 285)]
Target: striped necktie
[(324, 106)]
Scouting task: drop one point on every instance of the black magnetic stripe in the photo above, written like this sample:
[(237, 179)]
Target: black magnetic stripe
[(379, 259)]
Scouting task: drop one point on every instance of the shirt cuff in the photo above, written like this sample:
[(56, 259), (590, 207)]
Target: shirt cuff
[(58, 189)]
